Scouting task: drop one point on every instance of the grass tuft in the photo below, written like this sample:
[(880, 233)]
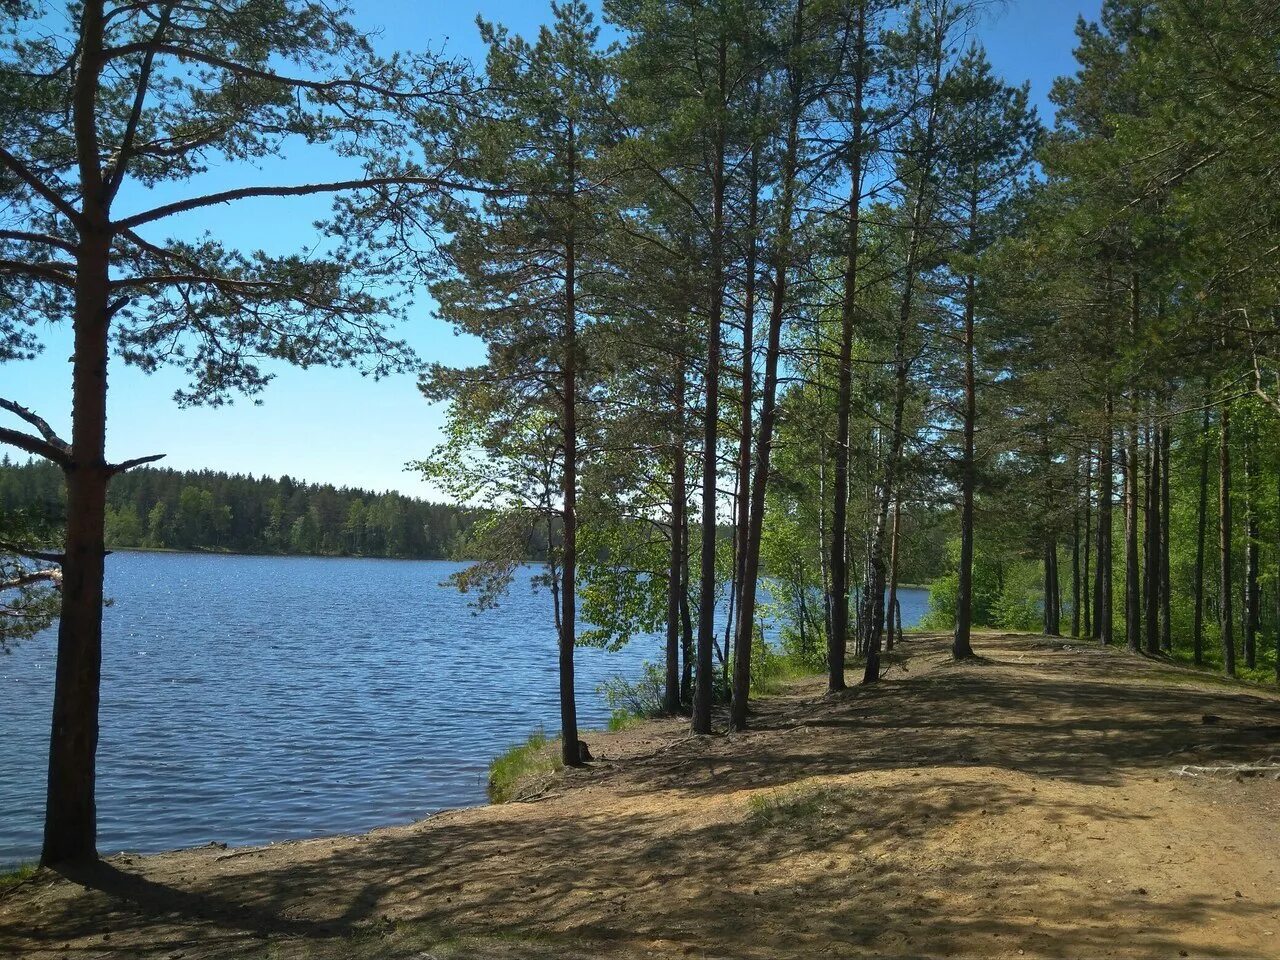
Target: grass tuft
[(16, 876), (537, 757), (795, 809), (624, 719)]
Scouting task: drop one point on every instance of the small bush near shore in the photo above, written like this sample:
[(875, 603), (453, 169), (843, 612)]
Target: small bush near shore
[(538, 756)]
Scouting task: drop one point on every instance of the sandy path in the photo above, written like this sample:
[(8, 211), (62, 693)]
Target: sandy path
[(1023, 805)]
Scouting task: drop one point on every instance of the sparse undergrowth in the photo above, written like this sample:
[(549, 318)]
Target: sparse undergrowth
[(16, 876), (802, 809), (510, 772)]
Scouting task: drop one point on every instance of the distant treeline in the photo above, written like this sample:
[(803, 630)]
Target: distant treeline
[(212, 510)]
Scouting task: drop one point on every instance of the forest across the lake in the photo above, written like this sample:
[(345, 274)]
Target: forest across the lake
[(160, 508)]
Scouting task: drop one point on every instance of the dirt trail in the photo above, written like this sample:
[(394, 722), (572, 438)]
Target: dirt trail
[(1023, 805)]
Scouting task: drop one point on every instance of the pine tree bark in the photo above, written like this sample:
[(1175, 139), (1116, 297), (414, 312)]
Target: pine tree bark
[(893, 573), (768, 399), (672, 696), (705, 678), (838, 598), (1166, 513), (70, 826), (1075, 563), (1202, 515), (1152, 568), (570, 752), (1087, 591), (961, 646), (1225, 605), (1132, 583), (1104, 609), (746, 431), (1252, 605)]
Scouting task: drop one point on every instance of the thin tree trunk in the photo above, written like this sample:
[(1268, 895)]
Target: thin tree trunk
[(705, 679), (1226, 614), (672, 698), (1088, 535), (873, 599), (1104, 612), (1166, 513), (570, 751), (1132, 584), (1197, 575), (1052, 610), (686, 624), (768, 402), (1152, 597), (1075, 560), (961, 646), (893, 571), (1252, 605), (745, 434), (838, 600)]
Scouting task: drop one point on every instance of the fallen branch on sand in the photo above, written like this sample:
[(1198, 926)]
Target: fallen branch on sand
[(1262, 769)]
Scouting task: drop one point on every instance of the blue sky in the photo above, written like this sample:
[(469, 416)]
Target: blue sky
[(333, 425)]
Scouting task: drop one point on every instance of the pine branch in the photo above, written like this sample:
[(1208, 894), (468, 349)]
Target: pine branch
[(42, 425), (299, 190), (116, 468), (39, 186)]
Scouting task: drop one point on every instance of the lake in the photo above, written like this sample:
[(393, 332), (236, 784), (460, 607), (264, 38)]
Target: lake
[(252, 699)]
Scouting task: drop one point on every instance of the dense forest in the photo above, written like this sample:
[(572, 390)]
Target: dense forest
[(788, 291), (212, 510)]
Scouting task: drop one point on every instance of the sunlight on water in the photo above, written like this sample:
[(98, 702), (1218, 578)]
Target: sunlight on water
[(250, 699)]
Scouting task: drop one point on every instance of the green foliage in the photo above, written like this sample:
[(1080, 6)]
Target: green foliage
[(28, 585), (989, 565), (524, 763), (639, 698)]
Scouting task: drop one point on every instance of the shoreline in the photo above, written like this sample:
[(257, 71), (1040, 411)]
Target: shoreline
[(962, 821)]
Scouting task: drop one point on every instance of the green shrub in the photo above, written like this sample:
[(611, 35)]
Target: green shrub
[(641, 698), (537, 757)]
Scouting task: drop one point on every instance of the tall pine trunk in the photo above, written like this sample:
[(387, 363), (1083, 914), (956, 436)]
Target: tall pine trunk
[(70, 826), (961, 646), (1252, 599), (1087, 591), (1166, 514), (1226, 615), (893, 573), (838, 599), (743, 496), (672, 696), (1151, 597), (1075, 560), (569, 749), (1104, 608), (1202, 516), (768, 400), (1132, 585), (705, 678)]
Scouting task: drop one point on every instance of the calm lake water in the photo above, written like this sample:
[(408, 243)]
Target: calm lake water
[(251, 699)]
